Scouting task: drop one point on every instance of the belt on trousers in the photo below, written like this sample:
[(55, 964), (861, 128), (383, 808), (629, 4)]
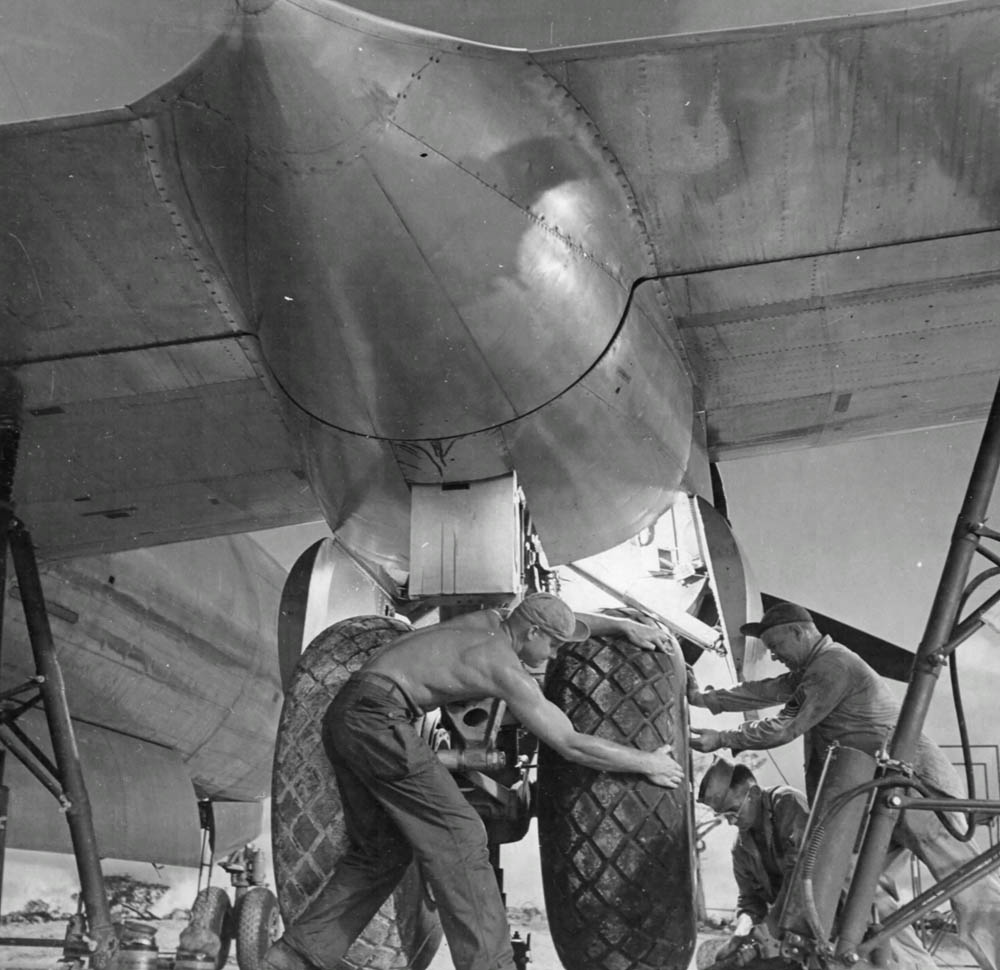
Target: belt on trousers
[(386, 685)]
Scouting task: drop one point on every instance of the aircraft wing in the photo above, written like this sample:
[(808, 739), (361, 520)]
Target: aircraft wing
[(822, 206), (147, 414), (594, 260)]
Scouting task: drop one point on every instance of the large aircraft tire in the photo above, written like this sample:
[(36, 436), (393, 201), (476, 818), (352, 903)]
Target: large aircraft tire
[(307, 831), (617, 852)]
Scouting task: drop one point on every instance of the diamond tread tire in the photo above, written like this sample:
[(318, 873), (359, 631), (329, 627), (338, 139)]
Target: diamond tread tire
[(307, 826), (617, 852)]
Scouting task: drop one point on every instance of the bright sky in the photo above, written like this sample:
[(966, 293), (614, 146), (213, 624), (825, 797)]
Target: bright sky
[(856, 531), (861, 532)]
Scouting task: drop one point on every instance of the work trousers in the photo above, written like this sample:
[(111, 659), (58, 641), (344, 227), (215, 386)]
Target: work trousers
[(905, 951), (400, 802), (977, 909)]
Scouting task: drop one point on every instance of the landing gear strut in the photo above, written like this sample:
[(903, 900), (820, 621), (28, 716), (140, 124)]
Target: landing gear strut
[(256, 920)]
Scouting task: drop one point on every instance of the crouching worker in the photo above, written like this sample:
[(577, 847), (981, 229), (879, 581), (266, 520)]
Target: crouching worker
[(400, 802), (771, 825)]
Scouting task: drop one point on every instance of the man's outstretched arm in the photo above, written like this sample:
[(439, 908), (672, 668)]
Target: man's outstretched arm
[(643, 635), (549, 724)]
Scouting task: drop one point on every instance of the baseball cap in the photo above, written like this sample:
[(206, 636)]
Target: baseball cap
[(775, 616), (552, 616)]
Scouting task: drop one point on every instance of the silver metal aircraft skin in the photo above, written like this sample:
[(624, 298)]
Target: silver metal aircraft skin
[(171, 674), (253, 246)]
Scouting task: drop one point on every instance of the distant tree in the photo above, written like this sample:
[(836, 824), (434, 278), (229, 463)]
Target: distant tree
[(33, 911), (129, 893)]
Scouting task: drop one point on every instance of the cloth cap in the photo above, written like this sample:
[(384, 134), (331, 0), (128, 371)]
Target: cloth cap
[(716, 782), (775, 616), (552, 616)]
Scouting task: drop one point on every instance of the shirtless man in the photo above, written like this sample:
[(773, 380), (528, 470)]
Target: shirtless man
[(399, 801)]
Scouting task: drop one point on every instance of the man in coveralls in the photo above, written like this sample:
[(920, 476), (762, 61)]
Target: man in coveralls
[(771, 824), (831, 695), (400, 801)]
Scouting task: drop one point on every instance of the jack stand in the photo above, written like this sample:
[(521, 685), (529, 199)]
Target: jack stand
[(67, 780), (941, 637)]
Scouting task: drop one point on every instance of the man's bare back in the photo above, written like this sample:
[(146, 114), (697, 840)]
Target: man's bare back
[(452, 661), (400, 800), (484, 655)]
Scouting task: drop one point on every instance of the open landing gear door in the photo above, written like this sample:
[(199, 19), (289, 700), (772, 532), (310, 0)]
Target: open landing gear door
[(737, 598), (687, 572), (327, 584)]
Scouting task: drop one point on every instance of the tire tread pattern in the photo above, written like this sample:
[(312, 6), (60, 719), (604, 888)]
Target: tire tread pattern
[(256, 927), (213, 910), (618, 867), (307, 830)]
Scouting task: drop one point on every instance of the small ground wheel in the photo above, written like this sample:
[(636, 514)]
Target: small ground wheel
[(258, 925), (212, 912)]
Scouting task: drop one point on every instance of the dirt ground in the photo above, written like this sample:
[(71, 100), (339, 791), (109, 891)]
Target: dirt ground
[(33, 958), (167, 932), (543, 954), (950, 956)]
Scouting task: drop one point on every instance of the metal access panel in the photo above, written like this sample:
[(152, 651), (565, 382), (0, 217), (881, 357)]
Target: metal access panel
[(465, 538)]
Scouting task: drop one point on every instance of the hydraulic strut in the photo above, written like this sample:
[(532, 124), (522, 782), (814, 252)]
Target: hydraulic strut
[(68, 776), (938, 641)]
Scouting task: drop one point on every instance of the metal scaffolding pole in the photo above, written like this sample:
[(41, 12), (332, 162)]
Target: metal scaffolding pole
[(11, 400), (103, 941), (927, 664), (67, 756)]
